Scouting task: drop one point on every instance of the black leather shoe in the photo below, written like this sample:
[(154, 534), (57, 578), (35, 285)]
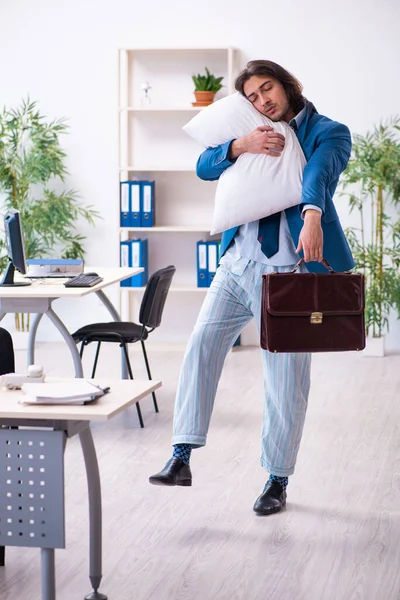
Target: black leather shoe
[(272, 500), (175, 472)]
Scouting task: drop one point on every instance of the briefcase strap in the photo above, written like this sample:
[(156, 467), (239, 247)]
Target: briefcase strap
[(323, 261)]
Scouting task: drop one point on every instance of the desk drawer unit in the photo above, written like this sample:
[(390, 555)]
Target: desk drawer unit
[(32, 488)]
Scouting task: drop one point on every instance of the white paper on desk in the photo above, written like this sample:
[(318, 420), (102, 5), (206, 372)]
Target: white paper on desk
[(73, 392), (27, 399)]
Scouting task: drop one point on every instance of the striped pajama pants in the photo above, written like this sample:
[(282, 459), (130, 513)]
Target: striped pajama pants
[(233, 299)]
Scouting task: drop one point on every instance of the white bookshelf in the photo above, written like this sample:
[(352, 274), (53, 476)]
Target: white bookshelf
[(152, 145)]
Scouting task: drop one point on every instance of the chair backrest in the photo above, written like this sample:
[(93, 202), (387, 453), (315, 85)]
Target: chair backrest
[(154, 297), (6, 352)]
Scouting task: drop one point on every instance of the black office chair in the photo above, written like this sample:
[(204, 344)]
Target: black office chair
[(126, 332)]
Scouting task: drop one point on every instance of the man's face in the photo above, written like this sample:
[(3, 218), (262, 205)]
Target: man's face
[(268, 96)]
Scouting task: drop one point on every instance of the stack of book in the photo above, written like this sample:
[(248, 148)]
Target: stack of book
[(73, 392)]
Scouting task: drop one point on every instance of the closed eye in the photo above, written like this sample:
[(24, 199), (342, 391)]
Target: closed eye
[(253, 97)]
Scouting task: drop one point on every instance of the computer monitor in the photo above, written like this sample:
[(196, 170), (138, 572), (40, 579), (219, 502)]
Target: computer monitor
[(15, 249)]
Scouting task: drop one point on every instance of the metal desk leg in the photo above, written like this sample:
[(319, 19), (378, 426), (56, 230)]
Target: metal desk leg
[(64, 332), (114, 313), (48, 574), (109, 305), (95, 520), (32, 337), (69, 339)]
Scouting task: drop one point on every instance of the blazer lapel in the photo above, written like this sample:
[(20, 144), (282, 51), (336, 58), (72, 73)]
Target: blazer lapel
[(301, 133)]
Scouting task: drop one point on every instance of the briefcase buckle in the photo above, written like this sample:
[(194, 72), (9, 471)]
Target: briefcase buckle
[(316, 318)]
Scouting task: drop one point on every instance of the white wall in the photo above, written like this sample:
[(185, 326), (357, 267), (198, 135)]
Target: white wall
[(64, 54)]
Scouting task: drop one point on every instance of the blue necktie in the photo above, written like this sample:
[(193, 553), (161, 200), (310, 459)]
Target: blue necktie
[(268, 234), (268, 229)]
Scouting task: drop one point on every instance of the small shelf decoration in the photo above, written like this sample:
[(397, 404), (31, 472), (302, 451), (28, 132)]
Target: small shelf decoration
[(145, 99), (205, 88)]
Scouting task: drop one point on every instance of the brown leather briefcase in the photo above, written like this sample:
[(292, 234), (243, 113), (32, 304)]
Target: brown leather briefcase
[(312, 312)]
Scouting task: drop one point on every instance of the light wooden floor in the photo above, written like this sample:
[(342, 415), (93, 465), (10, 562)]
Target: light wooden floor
[(338, 539)]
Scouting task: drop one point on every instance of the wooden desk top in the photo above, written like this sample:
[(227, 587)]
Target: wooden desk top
[(54, 288), (123, 393)]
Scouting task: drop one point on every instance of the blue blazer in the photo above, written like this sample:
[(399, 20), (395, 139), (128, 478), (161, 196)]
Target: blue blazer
[(327, 146)]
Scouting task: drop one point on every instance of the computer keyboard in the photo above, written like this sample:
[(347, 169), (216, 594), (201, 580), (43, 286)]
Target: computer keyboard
[(83, 280)]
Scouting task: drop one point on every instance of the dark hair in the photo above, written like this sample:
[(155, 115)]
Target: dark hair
[(291, 85)]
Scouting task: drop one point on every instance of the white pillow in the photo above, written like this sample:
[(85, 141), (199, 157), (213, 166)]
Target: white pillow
[(256, 185)]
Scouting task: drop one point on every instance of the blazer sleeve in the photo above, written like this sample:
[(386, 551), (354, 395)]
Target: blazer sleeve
[(326, 164), (213, 162)]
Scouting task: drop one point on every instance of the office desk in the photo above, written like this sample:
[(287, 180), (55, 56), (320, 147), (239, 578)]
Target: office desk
[(38, 297), (32, 473)]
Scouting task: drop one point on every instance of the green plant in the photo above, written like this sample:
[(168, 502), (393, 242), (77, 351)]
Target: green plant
[(207, 82), (31, 167), (374, 170)]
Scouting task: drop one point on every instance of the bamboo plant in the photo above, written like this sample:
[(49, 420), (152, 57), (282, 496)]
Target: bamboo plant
[(372, 184), (32, 164)]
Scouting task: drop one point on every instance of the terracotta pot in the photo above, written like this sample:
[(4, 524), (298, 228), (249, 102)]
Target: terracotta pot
[(203, 98)]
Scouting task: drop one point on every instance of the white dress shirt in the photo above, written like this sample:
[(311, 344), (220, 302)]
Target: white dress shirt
[(246, 245)]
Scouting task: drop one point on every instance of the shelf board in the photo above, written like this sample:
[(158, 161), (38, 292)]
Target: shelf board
[(149, 168), (163, 108), (173, 288), (180, 49), (169, 228)]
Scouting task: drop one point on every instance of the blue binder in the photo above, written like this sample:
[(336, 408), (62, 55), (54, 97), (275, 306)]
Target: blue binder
[(139, 258), (148, 203), (124, 203), (202, 264), (124, 261), (212, 250), (135, 219)]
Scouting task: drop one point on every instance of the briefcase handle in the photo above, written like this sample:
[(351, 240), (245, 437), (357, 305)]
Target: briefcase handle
[(323, 261)]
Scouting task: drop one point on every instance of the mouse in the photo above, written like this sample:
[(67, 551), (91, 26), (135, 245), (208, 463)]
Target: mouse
[(92, 273)]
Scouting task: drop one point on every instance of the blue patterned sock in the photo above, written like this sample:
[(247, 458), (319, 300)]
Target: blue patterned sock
[(283, 481), (183, 452)]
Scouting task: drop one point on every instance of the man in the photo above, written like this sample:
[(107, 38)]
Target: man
[(273, 244)]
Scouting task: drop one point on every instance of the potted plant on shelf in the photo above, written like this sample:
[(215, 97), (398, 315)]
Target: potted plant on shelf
[(31, 166), (372, 184), (205, 88)]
